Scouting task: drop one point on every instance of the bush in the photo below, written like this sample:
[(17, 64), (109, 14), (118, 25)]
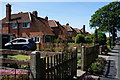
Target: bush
[(102, 38), (78, 61), (71, 41), (98, 66), (57, 41), (80, 38), (88, 39), (95, 68), (108, 41)]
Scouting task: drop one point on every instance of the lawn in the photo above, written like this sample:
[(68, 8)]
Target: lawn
[(20, 57)]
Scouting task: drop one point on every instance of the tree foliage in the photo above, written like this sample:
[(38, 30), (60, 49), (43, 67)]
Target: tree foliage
[(96, 36), (88, 39), (80, 38), (102, 38), (107, 17)]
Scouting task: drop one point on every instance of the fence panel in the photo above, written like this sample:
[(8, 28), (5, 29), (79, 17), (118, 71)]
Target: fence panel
[(14, 71), (62, 66), (88, 54)]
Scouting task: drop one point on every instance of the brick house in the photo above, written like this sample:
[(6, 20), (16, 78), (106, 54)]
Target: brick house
[(27, 25), (70, 31), (83, 31), (59, 31), (78, 31)]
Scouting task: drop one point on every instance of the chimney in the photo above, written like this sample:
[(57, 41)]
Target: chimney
[(8, 12), (67, 24), (35, 13), (83, 28), (46, 18)]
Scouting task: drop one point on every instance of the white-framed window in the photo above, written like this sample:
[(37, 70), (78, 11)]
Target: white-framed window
[(26, 25), (14, 25), (36, 39)]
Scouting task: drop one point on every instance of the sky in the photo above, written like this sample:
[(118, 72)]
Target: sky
[(76, 14)]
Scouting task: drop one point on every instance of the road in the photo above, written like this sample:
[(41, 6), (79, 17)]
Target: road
[(112, 69)]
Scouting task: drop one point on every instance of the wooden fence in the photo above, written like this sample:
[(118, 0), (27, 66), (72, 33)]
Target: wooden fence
[(14, 69), (44, 65), (59, 46), (62, 66), (88, 55), (54, 65)]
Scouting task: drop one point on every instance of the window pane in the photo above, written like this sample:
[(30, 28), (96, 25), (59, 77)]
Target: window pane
[(21, 40), (26, 25), (14, 26)]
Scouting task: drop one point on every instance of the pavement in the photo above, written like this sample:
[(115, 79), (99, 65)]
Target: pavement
[(112, 69)]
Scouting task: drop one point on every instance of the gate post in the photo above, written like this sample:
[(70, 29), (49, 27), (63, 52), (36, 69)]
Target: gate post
[(100, 50), (35, 66), (76, 54), (83, 58)]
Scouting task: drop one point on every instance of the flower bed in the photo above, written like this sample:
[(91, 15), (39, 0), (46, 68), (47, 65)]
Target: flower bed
[(12, 74), (13, 71)]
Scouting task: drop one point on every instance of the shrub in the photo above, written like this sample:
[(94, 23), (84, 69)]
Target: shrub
[(98, 66), (57, 41), (80, 38), (71, 41), (88, 39), (78, 61), (96, 36), (108, 41), (102, 38), (95, 68)]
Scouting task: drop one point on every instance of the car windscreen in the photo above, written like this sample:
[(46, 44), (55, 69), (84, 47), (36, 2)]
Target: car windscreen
[(31, 41)]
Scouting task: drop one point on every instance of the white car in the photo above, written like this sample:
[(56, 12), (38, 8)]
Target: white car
[(22, 44)]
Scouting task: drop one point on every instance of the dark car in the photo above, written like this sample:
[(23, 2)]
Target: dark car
[(21, 44)]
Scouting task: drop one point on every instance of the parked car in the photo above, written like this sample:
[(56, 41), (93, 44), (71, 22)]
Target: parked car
[(22, 44)]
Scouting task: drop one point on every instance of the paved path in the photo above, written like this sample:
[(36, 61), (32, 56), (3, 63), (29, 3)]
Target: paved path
[(112, 69)]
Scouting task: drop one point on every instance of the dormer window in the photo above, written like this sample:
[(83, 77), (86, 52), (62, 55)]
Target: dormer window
[(26, 25), (14, 26)]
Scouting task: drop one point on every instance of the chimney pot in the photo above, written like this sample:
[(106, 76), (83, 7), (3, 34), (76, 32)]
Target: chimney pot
[(46, 18), (67, 24), (35, 13)]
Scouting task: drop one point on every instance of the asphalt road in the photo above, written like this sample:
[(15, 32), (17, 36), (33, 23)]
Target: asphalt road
[(112, 69)]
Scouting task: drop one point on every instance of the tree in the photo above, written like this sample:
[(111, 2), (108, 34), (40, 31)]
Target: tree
[(88, 39), (95, 36), (80, 38), (107, 18), (102, 38)]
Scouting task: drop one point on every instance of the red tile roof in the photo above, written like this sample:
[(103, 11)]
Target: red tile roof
[(67, 27), (77, 30), (52, 23), (23, 17), (40, 24)]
